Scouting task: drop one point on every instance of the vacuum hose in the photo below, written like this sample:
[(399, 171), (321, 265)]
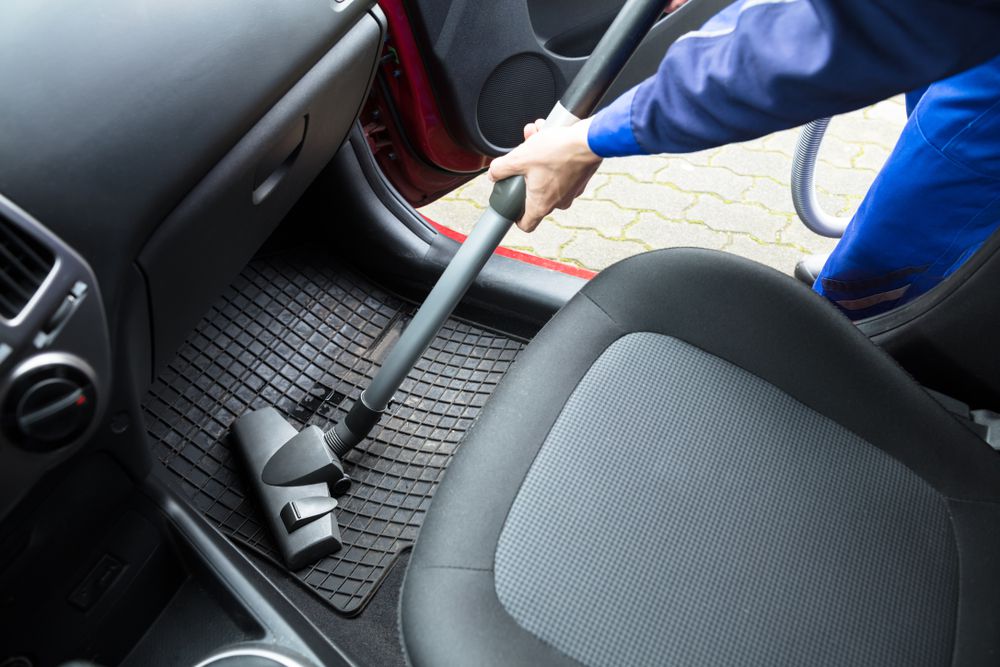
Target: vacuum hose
[(803, 183)]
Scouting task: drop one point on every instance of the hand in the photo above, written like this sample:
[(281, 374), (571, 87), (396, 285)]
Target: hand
[(556, 164)]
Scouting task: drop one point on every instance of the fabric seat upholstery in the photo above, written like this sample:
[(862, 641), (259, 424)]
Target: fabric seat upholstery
[(698, 461)]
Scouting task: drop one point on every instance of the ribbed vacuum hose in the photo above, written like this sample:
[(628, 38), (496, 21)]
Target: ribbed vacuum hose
[(803, 183)]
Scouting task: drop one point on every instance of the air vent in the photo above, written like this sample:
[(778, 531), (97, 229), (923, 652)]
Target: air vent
[(24, 264)]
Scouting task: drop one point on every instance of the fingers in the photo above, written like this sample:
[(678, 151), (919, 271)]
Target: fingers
[(556, 166), (537, 206), (505, 167), (529, 221), (509, 165), (531, 129), (526, 226)]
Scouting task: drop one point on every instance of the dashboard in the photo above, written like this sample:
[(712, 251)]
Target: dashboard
[(148, 150), (54, 353)]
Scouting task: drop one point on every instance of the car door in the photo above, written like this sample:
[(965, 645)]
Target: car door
[(460, 78)]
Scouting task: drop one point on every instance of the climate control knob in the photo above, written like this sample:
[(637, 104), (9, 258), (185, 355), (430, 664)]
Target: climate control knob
[(50, 403)]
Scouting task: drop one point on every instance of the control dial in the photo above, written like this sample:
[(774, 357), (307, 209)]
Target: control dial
[(51, 402)]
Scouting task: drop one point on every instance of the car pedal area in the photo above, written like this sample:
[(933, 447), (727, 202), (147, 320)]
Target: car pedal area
[(304, 335)]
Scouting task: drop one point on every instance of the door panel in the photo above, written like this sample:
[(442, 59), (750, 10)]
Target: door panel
[(460, 79), (573, 38), (489, 65), (495, 66)]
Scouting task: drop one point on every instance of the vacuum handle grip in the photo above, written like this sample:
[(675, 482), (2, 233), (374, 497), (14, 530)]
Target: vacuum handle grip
[(508, 197)]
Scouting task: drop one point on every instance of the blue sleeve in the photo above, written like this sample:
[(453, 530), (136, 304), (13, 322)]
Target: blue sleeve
[(765, 65)]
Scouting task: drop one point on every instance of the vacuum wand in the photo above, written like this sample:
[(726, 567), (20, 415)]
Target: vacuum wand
[(506, 206), (298, 474)]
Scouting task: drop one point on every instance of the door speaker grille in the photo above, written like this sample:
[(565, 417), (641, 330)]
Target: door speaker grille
[(520, 89)]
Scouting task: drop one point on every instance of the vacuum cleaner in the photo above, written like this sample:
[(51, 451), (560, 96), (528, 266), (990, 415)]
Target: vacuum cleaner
[(298, 475)]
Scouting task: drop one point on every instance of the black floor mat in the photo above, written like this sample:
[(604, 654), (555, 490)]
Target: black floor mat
[(304, 335)]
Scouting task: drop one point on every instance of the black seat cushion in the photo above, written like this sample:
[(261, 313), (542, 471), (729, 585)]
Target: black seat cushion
[(698, 461)]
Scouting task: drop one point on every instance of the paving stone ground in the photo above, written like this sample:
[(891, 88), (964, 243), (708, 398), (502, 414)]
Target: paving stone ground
[(735, 198)]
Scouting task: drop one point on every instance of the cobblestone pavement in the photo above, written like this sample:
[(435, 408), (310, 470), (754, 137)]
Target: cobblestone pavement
[(735, 198)]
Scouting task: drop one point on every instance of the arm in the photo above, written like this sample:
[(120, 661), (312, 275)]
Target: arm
[(767, 65), (758, 67)]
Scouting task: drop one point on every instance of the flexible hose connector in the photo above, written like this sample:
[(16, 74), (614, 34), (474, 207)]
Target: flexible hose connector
[(352, 429), (803, 183)]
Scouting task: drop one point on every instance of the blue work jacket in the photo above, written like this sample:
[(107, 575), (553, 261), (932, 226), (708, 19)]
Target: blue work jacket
[(765, 65)]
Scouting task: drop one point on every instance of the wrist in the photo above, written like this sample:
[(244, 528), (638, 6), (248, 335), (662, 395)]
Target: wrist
[(581, 141)]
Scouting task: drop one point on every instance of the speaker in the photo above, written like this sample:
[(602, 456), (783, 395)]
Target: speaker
[(518, 91)]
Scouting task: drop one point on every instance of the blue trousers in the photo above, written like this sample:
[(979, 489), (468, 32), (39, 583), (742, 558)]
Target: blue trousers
[(933, 204)]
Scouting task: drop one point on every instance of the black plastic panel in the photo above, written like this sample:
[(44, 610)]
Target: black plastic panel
[(947, 338), (465, 42), (571, 28), (214, 231), (112, 111), (93, 571), (103, 570), (469, 48), (646, 59)]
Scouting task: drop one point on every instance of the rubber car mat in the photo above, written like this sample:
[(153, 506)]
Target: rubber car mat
[(304, 335)]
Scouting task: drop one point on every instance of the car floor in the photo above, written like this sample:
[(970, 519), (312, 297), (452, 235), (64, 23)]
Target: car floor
[(301, 332)]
